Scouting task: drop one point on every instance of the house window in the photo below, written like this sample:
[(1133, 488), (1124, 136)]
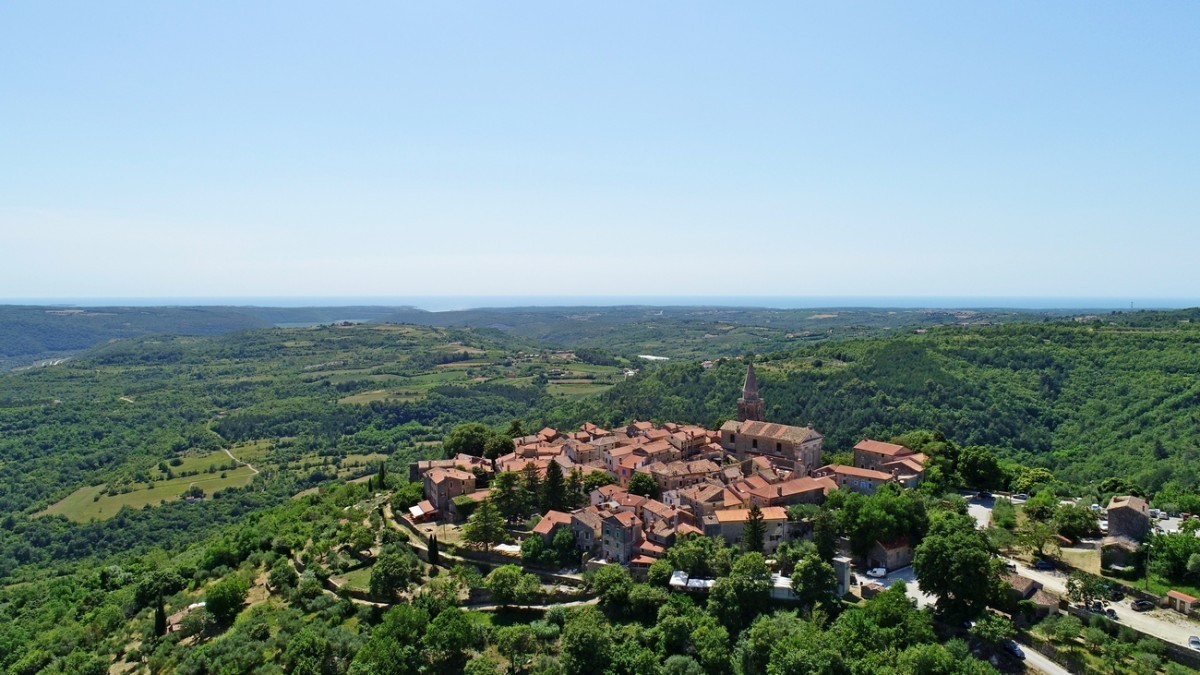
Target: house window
[(779, 447), (732, 438), (754, 444)]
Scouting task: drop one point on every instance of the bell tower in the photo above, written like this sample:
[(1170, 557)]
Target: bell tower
[(750, 406)]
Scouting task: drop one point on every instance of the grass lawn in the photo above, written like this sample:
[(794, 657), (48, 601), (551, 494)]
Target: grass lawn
[(87, 503), (359, 579), (577, 389), (1087, 560)]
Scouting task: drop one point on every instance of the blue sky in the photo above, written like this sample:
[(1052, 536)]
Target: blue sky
[(791, 149)]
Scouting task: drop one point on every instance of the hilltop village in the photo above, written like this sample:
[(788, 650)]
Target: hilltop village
[(701, 481)]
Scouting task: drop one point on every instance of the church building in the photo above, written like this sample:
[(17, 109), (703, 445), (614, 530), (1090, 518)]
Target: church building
[(794, 448)]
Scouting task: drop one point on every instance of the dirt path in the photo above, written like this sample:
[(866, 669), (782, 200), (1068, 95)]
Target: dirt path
[(248, 465)]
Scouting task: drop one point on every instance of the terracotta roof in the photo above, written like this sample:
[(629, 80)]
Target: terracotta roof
[(687, 528), (905, 463), (897, 543), (551, 520), (609, 491), (1022, 585), (881, 448), (1043, 598), (625, 518), (439, 474), (771, 514), (589, 517), (1128, 502), (658, 508), (548, 433), (478, 495), (778, 432), (642, 426), (841, 469), (643, 560), (705, 492), (1180, 596), (788, 488), (651, 548)]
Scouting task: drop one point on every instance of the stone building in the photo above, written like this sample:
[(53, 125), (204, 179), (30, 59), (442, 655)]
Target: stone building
[(1128, 518)]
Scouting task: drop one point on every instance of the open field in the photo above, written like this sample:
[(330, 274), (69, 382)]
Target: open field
[(576, 388), (88, 503)]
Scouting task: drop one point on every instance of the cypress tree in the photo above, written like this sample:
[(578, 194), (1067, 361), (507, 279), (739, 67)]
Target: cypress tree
[(160, 618), (433, 550), (554, 489), (755, 531)]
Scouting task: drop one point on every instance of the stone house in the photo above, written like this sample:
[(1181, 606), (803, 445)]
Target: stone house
[(1129, 518), (891, 555), (862, 481), (443, 485), (620, 534)]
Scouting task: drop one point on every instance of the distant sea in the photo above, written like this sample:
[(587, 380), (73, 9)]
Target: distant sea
[(460, 302)]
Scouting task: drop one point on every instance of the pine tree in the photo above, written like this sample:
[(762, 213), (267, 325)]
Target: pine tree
[(509, 494), (486, 526), (382, 482), (755, 531), (575, 496), (553, 490), (533, 485)]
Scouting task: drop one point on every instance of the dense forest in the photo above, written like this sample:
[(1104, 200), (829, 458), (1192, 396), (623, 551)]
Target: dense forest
[(153, 472), (1087, 400)]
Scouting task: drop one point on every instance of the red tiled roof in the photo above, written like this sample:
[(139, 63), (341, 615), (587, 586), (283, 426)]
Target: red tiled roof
[(881, 448), (551, 520), (1180, 596), (770, 514)]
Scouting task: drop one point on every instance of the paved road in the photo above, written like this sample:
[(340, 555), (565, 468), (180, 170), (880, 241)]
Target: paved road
[(1162, 623), (1038, 663)]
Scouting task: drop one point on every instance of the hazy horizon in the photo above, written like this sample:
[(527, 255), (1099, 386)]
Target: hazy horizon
[(459, 303)]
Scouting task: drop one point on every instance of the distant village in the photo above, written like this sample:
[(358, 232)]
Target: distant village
[(707, 481)]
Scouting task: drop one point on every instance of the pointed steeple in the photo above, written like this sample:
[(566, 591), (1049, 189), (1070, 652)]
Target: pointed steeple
[(750, 388), (750, 406)]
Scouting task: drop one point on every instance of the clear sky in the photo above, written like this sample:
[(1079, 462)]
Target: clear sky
[(568, 148)]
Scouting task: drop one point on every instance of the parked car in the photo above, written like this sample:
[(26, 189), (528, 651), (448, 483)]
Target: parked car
[(1142, 605), (1096, 606), (1111, 613), (1116, 595), (1043, 564), (1010, 566), (1014, 649), (1020, 495), (984, 494), (877, 572), (1194, 642)]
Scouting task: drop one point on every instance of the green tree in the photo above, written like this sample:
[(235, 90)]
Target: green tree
[(554, 492), (391, 574), (434, 553), (485, 527), (224, 599), (467, 439), (979, 468), (533, 484), (814, 581), (735, 600), (755, 531), (515, 430), (586, 643), (644, 485), (1042, 506), (508, 491), (282, 576), (309, 653), (517, 643), (954, 562), (993, 630), (1076, 522), (612, 583), (447, 640), (1084, 588), (826, 532), (575, 496), (510, 585), (1035, 536)]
